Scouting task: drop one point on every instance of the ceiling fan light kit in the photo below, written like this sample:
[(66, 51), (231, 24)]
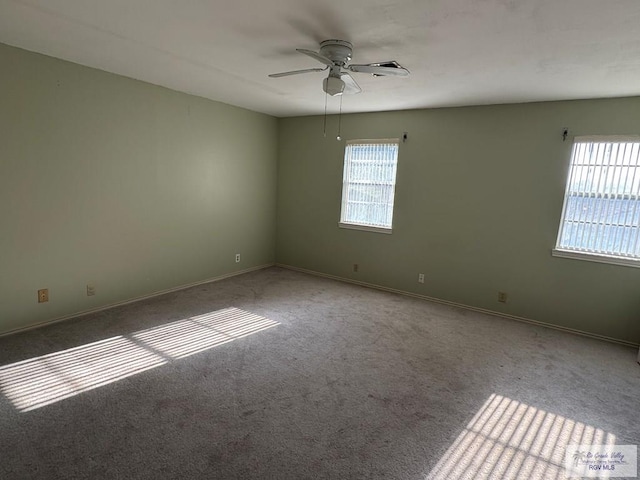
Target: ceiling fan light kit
[(333, 85), (336, 55)]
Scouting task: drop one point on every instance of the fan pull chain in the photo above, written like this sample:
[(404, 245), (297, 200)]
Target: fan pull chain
[(340, 120), (324, 126)]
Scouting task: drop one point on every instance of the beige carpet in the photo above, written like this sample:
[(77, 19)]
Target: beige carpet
[(278, 374)]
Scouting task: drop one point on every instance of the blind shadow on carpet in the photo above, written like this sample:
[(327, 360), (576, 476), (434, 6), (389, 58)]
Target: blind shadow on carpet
[(41, 381), (508, 439)]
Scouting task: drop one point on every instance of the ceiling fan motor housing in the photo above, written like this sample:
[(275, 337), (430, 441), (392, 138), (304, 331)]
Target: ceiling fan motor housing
[(338, 51)]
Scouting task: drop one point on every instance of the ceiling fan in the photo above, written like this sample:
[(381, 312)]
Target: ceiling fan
[(336, 55)]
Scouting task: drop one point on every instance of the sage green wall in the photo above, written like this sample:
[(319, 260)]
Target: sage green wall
[(124, 184), (478, 201), (137, 188)]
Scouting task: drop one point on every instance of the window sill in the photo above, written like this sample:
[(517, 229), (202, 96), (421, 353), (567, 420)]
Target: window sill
[(595, 257), (366, 228)]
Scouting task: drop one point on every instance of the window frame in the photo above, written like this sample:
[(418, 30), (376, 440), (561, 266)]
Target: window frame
[(592, 256), (345, 182)]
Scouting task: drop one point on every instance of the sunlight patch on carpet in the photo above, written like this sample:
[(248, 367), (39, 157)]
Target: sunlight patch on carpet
[(40, 381), (508, 439), (186, 337)]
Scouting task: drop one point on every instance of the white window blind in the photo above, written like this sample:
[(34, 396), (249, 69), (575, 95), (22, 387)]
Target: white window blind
[(601, 212), (369, 181)]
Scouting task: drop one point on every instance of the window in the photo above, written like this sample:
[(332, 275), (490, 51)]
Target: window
[(369, 183), (601, 213)]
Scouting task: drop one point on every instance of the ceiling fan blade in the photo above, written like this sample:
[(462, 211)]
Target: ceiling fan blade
[(350, 85), (297, 72), (317, 56), (379, 70)]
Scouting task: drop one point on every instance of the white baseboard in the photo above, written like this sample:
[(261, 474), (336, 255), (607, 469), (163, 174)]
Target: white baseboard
[(133, 300), (467, 307)]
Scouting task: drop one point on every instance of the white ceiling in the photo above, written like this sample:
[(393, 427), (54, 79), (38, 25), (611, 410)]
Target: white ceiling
[(459, 52)]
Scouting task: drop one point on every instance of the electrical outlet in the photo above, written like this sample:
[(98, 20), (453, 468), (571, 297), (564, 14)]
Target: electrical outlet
[(502, 297), (91, 290), (421, 278), (43, 295), (237, 258), (355, 267)]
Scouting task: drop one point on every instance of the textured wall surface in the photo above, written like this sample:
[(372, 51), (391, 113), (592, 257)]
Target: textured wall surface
[(119, 183), (478, 202)]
